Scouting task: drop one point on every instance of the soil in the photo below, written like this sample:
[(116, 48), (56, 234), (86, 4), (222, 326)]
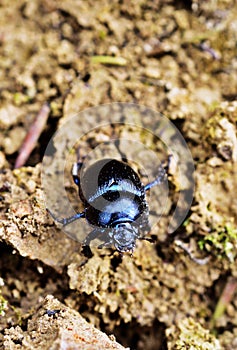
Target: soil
[(176, 57)]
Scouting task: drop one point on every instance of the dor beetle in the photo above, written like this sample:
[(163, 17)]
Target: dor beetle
[(114, 202)]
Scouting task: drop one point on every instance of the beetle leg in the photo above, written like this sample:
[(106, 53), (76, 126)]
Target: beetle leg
[(77, 167), (104, 245), (160, 178), (162, 173), (91, 236), (86, 251), (149, 239), (66, 221), (98, 233)]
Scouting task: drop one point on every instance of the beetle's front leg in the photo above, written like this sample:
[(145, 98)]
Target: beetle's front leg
[(148, 239), (91, 236), (105, 245), (100, 233), (86, 250)]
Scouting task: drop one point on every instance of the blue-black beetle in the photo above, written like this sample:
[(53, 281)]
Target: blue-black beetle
[(114, 202)]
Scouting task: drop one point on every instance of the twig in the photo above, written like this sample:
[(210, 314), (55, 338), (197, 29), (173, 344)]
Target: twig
[(225, 298), (32, 136), (200, 261), (116, 61), (206, 48)]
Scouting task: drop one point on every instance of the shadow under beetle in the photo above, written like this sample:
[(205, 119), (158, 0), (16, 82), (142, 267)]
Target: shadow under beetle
[(114, 202)]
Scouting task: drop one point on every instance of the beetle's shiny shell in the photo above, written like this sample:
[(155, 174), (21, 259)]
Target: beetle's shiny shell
[(111, 192)]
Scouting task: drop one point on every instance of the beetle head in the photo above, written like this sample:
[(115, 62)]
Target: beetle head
[(124, 237)]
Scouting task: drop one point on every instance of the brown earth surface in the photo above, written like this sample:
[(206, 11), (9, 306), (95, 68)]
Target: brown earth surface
[(175, 57)]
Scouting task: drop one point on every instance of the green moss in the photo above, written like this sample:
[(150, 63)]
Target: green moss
[(222, 242), (20, 98), (186, 222), (102, 34), (191, 335), (3, 305)]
